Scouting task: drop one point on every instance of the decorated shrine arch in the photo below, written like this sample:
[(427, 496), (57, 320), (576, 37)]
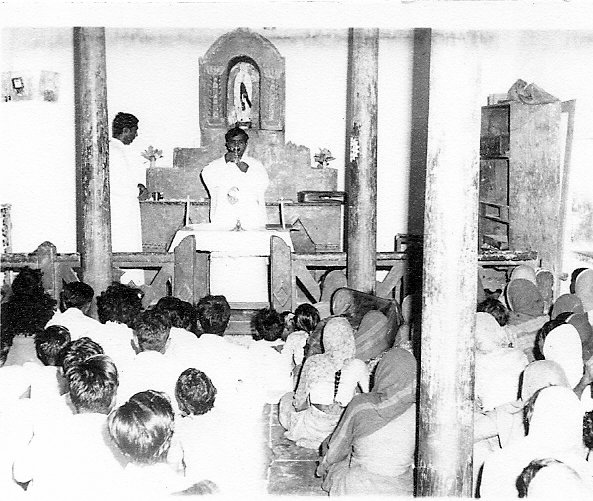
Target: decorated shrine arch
[(242, 79)]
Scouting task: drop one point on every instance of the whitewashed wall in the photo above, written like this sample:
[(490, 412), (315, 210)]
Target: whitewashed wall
[(153, 73)]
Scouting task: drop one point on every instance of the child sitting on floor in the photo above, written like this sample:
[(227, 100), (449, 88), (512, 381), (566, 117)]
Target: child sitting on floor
[(305, 320)]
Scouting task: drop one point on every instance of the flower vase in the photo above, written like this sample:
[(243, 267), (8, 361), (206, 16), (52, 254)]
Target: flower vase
[(152, 163)]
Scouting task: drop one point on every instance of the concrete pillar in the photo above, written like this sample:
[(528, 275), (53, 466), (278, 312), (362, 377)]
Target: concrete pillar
[(361, 156), (444, 466), (92, 145)]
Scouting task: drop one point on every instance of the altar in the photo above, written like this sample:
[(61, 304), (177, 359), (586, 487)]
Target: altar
[(239, 260)]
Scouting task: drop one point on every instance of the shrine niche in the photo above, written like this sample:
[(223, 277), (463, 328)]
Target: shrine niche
[(242, 80)]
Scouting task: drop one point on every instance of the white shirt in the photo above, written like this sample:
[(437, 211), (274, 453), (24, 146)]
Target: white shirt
[(75, 458), (116, 341), (211, 450), (180, 341), (22, 351), (231, 369), (152, 482), (16, 431), (273, 369), (149, 370), (78, 324), (222, 178)]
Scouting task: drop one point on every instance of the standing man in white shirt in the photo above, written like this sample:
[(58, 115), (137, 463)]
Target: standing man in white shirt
[(236, 183), (127, 183)]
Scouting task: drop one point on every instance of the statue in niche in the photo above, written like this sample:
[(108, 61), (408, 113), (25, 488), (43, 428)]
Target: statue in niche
[(243, 93)]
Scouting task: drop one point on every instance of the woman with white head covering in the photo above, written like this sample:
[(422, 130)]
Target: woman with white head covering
[(498, 367), (555, 431), (524, 271), (583, 287), (563, 345), (504, 425), (497, 372), (327, 384)]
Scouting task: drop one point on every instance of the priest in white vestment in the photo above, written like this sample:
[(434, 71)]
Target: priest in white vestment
[(237, 184)]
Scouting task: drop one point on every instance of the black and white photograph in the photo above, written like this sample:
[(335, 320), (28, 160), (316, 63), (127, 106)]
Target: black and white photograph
[(286, 248)]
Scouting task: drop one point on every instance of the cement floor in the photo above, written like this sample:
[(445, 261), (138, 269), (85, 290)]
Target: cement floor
[(292, 471)]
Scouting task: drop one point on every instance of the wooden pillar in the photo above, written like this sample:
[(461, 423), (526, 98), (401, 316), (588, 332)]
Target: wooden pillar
[(94, 240), (361, 155), (444, 466)]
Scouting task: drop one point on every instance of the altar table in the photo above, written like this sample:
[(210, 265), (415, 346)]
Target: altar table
[(239, 260)]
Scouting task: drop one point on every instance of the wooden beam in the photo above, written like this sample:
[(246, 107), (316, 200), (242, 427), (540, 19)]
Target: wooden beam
[(445, 437), (361, 166), (92, 137)]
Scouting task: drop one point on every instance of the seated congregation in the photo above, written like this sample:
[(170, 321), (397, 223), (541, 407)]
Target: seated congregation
[(155, 402)]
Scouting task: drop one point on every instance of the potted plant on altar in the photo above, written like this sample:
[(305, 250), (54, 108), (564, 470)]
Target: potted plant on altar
[(323, 158), (152, 155)]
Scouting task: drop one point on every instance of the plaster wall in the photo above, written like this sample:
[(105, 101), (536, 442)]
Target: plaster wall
[(153, 73)]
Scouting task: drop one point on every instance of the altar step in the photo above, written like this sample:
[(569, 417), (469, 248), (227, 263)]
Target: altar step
[(241, 317)]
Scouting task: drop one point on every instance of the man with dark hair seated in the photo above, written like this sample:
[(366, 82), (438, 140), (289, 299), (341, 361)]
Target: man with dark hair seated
[(92, 385), (268, 325), (24, 314), (72, 354), (182, 316), (78, 351), (142, 429), (209, 434), (49, 344), (119, 304), (47, 381), (214, 313), (117, 308), (75, 303), (64, 461), (194, 392), (228, 364), (151, 368)]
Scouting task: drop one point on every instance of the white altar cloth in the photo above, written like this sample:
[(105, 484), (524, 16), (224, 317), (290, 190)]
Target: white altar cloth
[(239, 264), (210, 237)]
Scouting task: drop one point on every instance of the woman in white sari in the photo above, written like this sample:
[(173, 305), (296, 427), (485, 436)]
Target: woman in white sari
[(555, 431)]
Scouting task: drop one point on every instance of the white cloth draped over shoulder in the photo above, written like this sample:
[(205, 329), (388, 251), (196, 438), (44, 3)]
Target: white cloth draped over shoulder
[(555, 431), (563, 345), (248, 188), (498, 368)]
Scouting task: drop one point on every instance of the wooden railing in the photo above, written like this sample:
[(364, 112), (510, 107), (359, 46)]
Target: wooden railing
[(290, 271), (183, 273)]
